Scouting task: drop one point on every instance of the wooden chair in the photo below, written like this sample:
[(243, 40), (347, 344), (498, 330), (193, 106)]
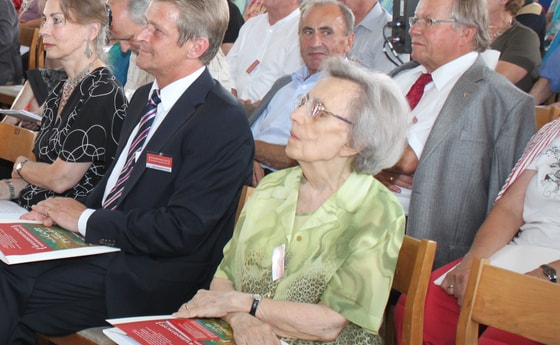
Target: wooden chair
[(412, 277), (510, 301), (95, 336), (30, 37), (545, 114), (16, 141)]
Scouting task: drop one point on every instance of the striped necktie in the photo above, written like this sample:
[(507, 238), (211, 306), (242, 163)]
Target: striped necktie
[(113, 198)]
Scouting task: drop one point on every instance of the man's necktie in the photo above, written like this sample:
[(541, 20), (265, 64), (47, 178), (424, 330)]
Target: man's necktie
[(417, 90), (112, 200)]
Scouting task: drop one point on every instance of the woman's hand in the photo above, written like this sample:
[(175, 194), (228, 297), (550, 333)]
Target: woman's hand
[(455, 282), (248, 330), (215, 304)]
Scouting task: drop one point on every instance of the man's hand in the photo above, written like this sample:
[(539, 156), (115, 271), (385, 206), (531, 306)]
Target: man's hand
[(258, 173), (63, 211), (393, 180)]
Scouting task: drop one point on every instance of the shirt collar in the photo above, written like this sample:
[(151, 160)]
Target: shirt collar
[(171, 93), (369, 21), (450, 70)]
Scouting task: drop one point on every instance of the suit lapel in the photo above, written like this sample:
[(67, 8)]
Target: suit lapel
[(177, 118), (457, 105)]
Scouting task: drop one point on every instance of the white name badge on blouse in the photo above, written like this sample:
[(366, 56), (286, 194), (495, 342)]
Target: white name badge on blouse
[(159, 162), (278, 254)]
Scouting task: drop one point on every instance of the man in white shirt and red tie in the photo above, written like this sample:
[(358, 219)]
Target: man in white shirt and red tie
[(469, 127)]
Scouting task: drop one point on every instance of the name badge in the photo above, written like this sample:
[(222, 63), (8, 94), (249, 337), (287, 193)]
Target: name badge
[(159, 162), (253, 66), (278, 262)]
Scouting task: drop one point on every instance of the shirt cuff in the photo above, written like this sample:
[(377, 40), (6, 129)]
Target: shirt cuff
[(82, 221)]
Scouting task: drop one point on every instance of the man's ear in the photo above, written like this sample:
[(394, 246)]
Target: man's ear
[(198, 46), (467, 35)]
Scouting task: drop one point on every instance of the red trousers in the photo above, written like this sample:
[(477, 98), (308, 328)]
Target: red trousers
[(441, 315)]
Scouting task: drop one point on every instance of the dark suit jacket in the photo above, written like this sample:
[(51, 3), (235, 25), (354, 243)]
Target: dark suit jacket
[(172, 226), (479, 134)]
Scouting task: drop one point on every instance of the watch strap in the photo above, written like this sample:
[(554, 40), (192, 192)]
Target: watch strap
[(256, 300)]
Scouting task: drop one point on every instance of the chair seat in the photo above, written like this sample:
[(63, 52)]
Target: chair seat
[(96, 335), (89, 336)]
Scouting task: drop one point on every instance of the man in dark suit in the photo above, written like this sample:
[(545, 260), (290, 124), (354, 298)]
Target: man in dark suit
[(173, 212)]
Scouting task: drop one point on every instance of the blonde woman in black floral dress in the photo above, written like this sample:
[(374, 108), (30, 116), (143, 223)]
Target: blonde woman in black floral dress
[(82, 116)]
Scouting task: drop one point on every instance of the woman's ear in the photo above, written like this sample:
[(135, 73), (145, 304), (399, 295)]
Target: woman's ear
[(348, 151), (93, 31)]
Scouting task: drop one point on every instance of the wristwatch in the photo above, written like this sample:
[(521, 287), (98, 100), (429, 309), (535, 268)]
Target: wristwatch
[(256, 300), (19, 166), (549, 272)]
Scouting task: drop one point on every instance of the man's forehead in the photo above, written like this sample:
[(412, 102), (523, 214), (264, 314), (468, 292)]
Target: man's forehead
[(328, 15)]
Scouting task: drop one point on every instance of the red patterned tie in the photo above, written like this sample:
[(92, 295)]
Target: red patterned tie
[(113, 198), (417, 90)]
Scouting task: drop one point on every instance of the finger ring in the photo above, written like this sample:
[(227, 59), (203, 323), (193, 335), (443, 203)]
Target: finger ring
[(48, 214), (187, 306), (391, 178), (450, 286)]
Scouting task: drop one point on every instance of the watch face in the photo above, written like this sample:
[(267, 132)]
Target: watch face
[(550, 272)]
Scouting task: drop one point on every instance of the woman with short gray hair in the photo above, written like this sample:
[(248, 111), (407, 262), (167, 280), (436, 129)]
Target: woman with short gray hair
[(314, 250)]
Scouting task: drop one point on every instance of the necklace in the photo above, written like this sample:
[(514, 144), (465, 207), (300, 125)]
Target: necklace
[(499, 32), (70, 84)]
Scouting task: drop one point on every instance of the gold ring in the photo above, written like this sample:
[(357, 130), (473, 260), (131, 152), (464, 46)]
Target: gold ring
[(48, 214)]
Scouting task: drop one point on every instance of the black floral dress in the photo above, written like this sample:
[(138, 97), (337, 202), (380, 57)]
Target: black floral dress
[(87, 130)]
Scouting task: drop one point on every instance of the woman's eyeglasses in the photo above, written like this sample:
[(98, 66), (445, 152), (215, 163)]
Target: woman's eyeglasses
[(315, 108)]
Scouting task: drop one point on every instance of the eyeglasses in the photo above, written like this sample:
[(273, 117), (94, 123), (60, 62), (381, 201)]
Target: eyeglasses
[(428, 22), (315, 108), (109, 15)]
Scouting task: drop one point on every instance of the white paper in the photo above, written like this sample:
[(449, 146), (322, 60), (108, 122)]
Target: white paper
[(518, 258), (22, 114), (10, 210)]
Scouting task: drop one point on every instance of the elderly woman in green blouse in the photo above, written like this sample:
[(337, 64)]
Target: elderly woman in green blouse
[(314, 251)]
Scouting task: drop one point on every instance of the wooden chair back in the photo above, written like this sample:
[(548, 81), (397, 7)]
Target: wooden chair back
[(245, 194), (412, 277), (510, 301), (16, 141), (88, 336), (30, 37), (545, 114)]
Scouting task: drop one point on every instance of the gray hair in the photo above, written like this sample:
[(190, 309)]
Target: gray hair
[(380, 113), (347, 14), (473, 13), (202, 18), (136, 10)]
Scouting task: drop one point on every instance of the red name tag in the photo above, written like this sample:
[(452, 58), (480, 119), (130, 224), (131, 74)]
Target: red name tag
[(253, 66), (159, 162)]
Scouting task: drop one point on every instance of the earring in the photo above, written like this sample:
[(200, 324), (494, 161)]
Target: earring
[(89, 52)]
